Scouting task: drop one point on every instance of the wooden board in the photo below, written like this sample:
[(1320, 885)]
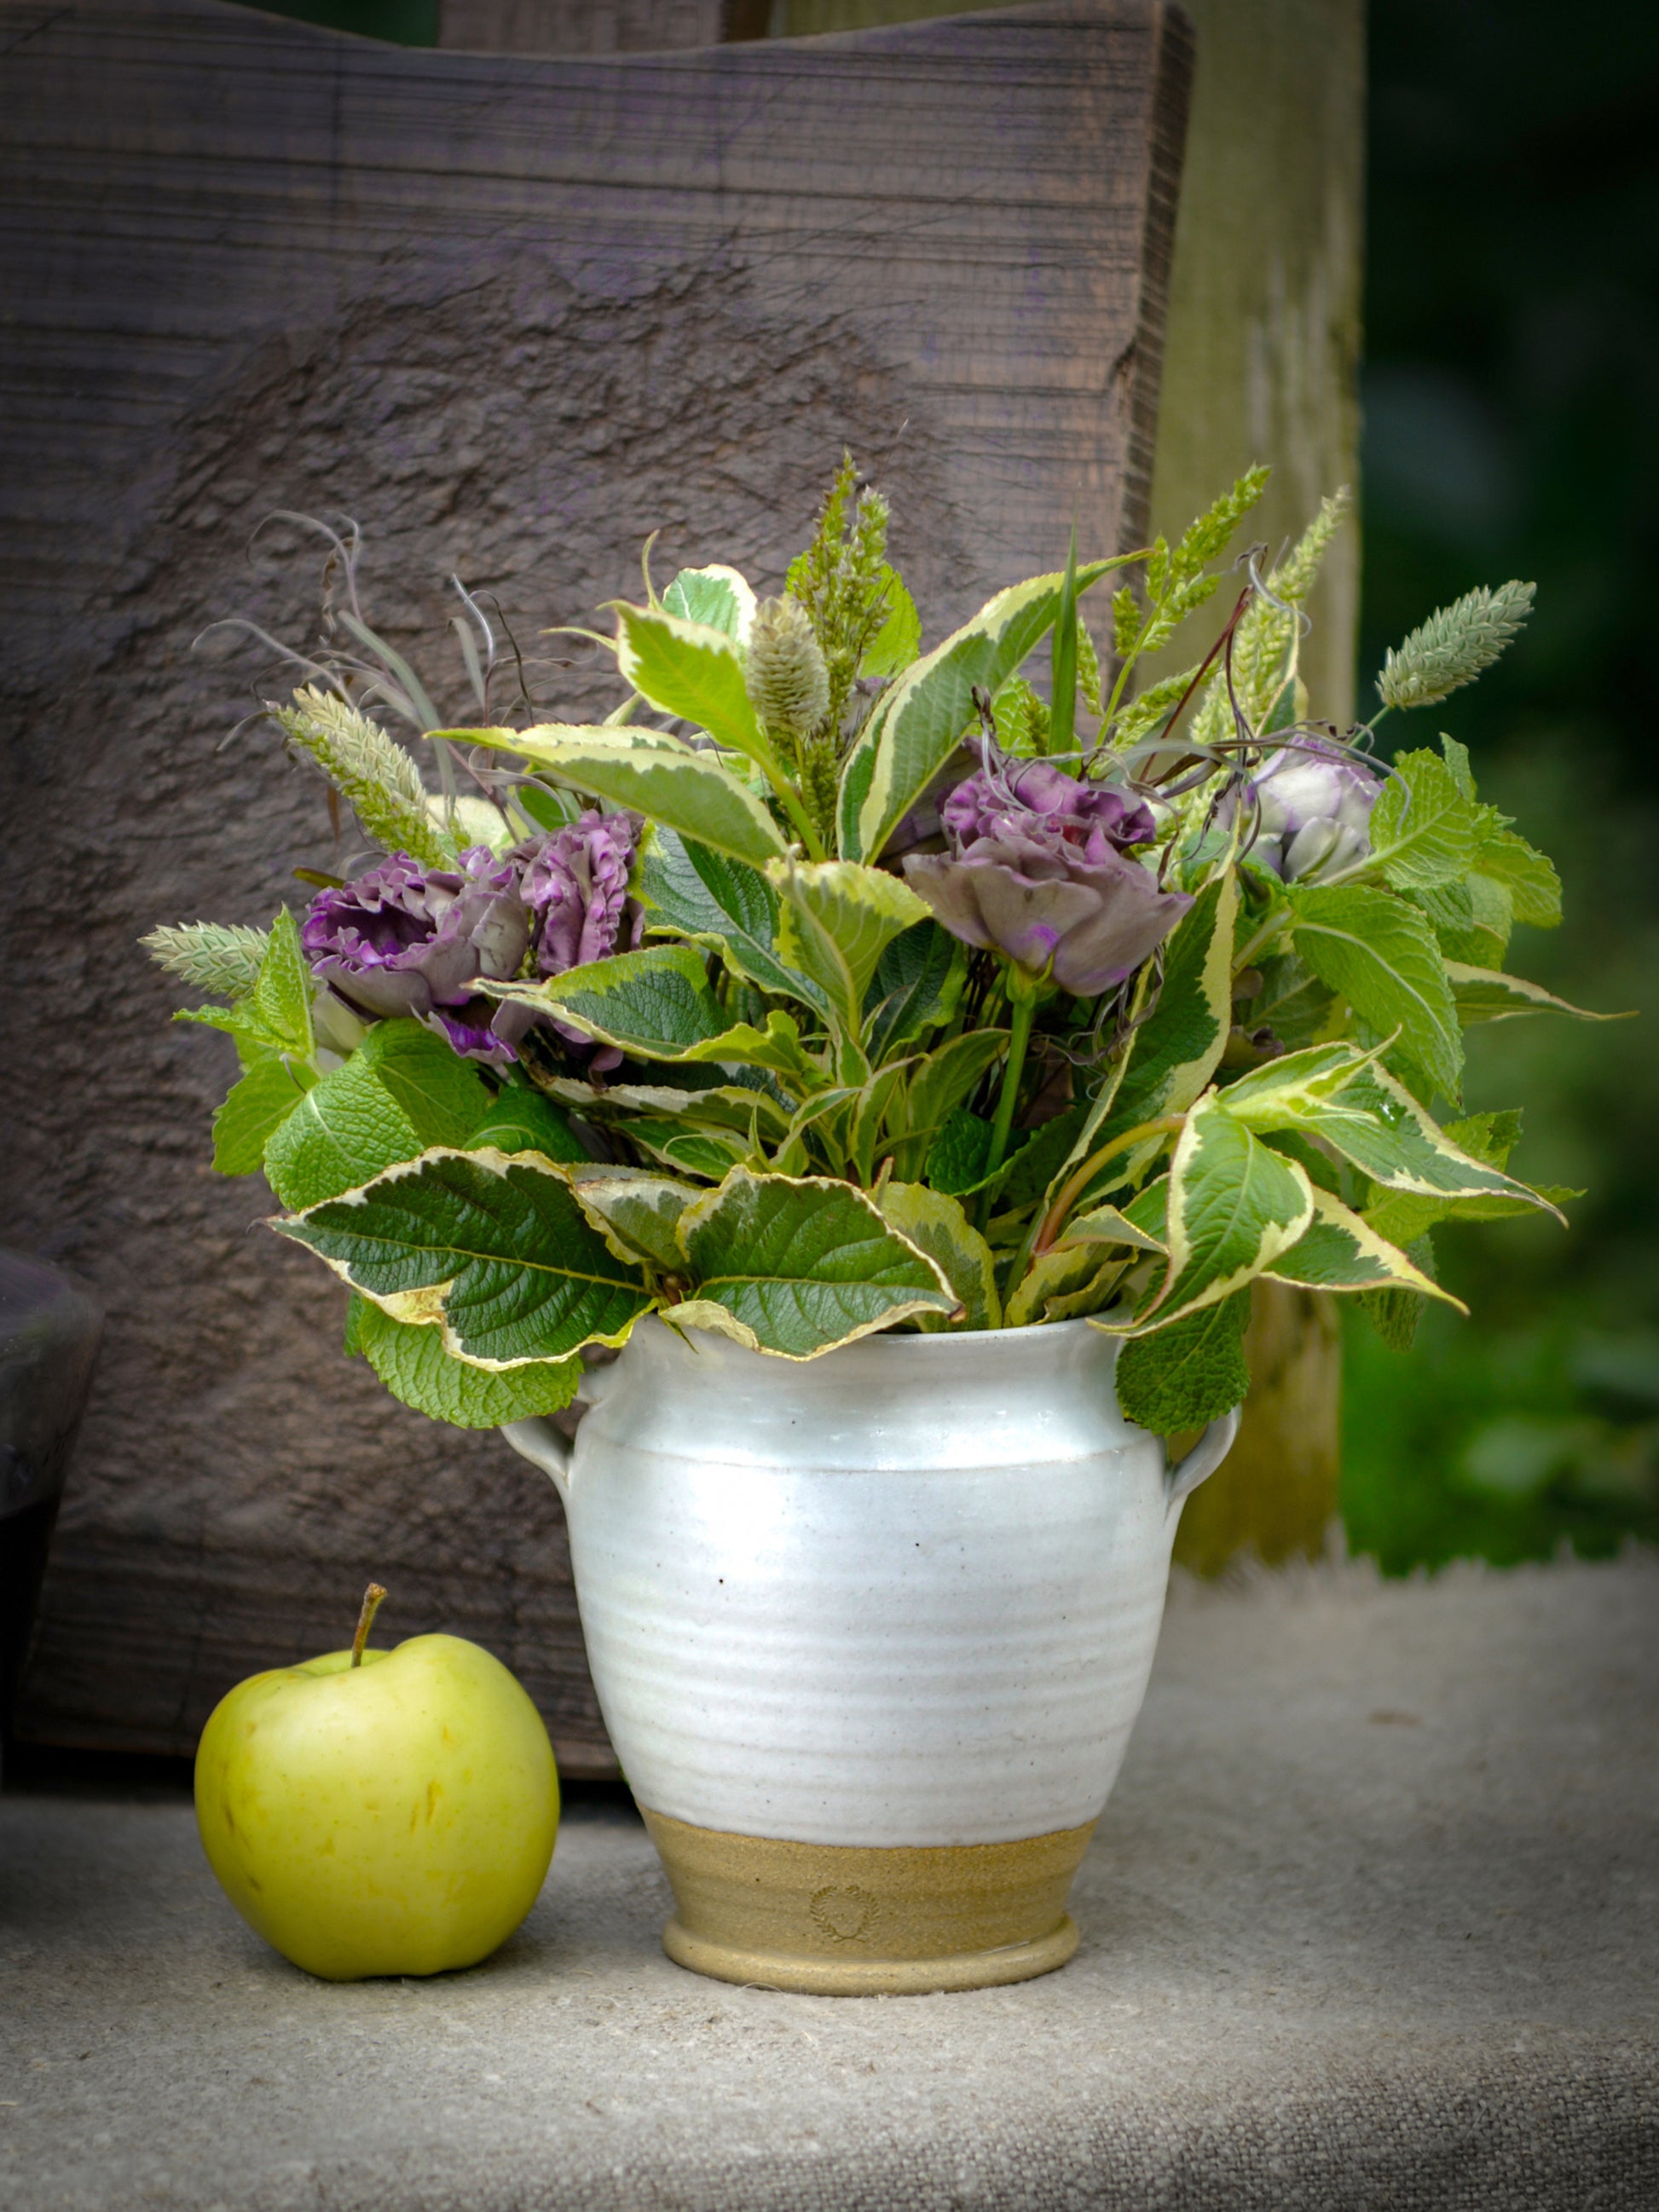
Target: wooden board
[(512, 314)]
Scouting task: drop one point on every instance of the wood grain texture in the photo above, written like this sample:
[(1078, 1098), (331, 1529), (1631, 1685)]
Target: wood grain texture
[(514, 313), (579, 27)]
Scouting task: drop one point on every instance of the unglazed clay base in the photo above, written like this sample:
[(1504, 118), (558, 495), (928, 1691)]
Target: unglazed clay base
[(838, 1920)]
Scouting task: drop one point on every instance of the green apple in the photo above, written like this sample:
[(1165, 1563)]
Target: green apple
[(380, 1812)]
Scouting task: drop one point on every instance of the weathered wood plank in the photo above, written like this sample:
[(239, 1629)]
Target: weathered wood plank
[(515, 313)]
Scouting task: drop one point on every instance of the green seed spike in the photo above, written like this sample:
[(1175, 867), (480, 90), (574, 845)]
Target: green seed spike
[(1062, 710)]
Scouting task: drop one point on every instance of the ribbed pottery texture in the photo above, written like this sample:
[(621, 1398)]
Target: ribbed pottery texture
[(904, 1593)]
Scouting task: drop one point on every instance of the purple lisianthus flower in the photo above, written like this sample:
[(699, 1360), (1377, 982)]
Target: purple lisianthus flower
[(1040, 871), (404, 939), (1316, 798), (575, 885)]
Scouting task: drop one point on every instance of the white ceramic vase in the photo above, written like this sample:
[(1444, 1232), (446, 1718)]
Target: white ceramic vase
[(869, 1633)]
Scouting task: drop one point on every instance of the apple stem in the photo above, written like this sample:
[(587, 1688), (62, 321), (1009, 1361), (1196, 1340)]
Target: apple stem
[(371, 1601)]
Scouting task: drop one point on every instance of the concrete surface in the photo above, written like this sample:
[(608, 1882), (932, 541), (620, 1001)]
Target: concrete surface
[(1372, 1921)]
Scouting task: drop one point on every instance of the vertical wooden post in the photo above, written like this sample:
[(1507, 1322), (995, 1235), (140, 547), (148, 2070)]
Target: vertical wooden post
[(1260, 362)]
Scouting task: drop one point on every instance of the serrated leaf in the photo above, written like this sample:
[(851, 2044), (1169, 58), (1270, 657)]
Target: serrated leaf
[(1381, 954), (281, 996), (637, 1213), (656, 1003), (415, 1368), (1340, 1251), (522, 1121), (1276, 1096), (716, 597), (692, 891), (916, 724), (917, 985), (1423, 830), (957, 1157), (1189, 1374), (895, 643), (834, 919), (1482, 995), (1293, 1003), (492, 1250), (654, 774), (1525, 876), (1375, 1123), (1395, 1314), (1109, 1224), (401, 1091), (1234, 1206), (1069, 1274), (936, 1224), (798, 1266), (1175, 1050), (691, 670), (254, 1109)]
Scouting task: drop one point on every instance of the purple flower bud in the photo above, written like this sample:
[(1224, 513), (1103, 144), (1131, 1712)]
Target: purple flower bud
[(1040, 873), (1316, 798), (405, 940)]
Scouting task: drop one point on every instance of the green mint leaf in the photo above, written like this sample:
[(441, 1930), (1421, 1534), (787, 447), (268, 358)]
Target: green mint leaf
[(799, 1266), (415, 1368), (1188, 1374), (1380, 954), (494, 1251)]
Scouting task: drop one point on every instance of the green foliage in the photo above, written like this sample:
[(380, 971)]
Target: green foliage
[(1189, 1374), (693, 892), (255, 1108), (415, 1368), (493, 1251), (1264, 654), (815, 1074), (1381, 954), (691, 670), (716, 597), (797, 1266), (835, 921), (916, 724), (654, 775), (1234, 1206), (937, 1226), (1454, 646)]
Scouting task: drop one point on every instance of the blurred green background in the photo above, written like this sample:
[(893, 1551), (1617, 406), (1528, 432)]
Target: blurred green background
[(1511, 393)]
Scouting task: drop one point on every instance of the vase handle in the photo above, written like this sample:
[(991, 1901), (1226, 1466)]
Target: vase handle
[(1201, 1461), (546, 1446), (537, 1440)]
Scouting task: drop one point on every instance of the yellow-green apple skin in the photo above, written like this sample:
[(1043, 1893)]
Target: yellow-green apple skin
[(394, 1817)]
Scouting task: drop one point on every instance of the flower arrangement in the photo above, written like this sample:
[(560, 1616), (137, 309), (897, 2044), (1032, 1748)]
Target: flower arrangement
[(830, 985)]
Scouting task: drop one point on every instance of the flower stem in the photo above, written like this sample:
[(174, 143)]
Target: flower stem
[(1265, 935), (1075, 1185), (1022, 1009), (372, 1598)]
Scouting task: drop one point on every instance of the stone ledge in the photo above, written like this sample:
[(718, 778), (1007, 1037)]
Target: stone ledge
[(1372, 1921)]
